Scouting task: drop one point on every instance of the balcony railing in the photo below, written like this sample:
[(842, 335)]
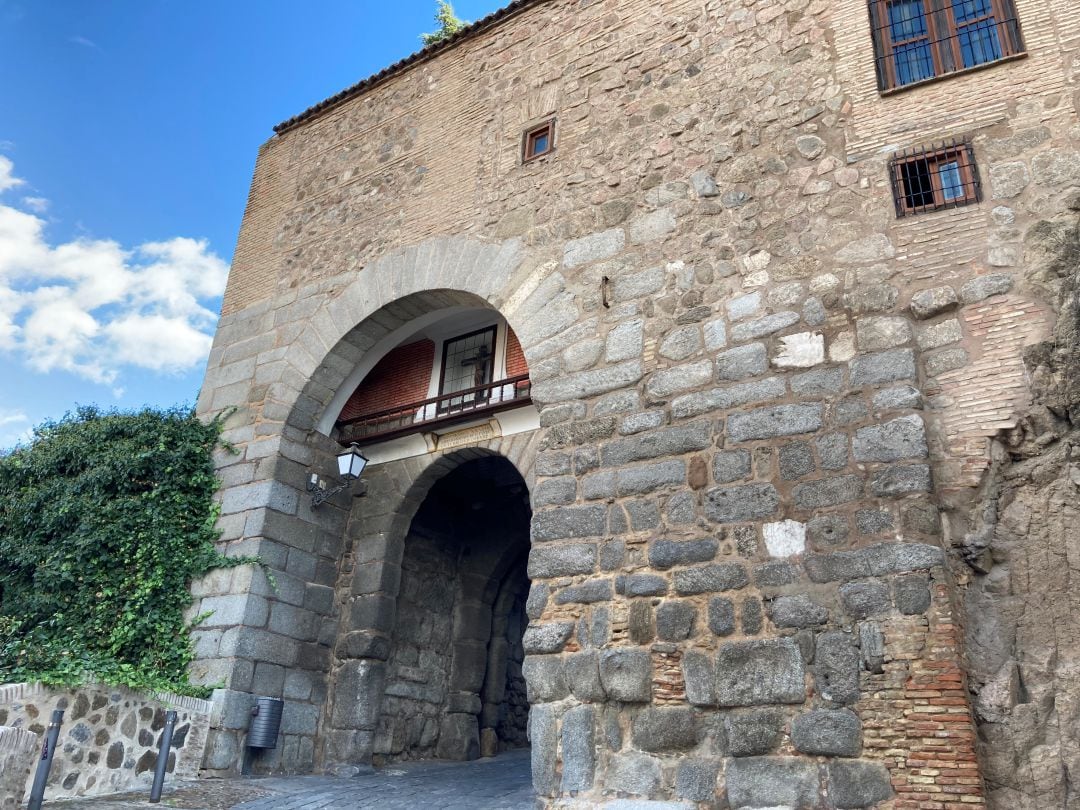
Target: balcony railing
[(459, 406)]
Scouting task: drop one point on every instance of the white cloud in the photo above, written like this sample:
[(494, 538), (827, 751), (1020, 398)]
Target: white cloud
[(39, 205), (93, 308), (14, 428), (7, 174)]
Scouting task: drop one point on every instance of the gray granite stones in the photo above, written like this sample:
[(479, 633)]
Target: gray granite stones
[(626, 675), (827, 732), (711, 578), (760, 672), (735, 504)]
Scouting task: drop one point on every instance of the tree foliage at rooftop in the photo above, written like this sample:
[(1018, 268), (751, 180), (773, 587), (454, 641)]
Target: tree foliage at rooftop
[(449, 24), (105, 518)]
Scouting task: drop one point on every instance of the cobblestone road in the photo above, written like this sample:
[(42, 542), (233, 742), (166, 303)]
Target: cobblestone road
[(502, 783)]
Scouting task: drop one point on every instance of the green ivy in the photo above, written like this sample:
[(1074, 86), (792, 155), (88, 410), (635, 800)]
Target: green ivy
[(105, 519)]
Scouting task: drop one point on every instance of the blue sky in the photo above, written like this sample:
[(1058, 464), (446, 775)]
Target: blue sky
[(128, 134)]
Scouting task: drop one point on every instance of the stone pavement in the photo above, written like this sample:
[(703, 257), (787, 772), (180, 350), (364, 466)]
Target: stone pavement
[(500, 783)]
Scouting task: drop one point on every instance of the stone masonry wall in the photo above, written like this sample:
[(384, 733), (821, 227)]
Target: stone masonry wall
[(757, 387), (19, 753), (109, 738)]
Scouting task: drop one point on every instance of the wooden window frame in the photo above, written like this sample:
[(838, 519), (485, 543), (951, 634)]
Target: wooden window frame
[(532, 135), (494, 329), (960, 152), (943, 40)]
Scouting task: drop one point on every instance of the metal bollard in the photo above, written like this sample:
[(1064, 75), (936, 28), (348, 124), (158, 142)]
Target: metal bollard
[(163, 756), (37, 792)]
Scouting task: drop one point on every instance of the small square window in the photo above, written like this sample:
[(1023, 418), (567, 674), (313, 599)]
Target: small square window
[(540, 140), (934, 178)]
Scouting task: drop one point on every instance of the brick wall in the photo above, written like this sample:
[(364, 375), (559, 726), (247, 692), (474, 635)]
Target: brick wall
[(401, 377), (515, 357)]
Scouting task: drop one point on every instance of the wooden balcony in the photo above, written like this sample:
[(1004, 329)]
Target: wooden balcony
[(441, 411)]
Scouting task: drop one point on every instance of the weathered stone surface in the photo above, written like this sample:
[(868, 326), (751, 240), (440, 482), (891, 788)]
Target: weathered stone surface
[(873, 521), (912, 594), (772, 782), (827, 732), (721, 616), (663, 729), (568, 522), (730, 397), (664, 554), (670, 381), (928, 303), (819, 382), (796, 460), (578, 748), (583, 676), (546, 638), (865, 599), (546, 562), (883, 367), (828, 492), (774, 421), (671, 441), (872, 647), (836, 668), (752, 673), (642, 584), (828, 531), (936, 335), (624, 342), (739, 503), (901, 480), (626, 675), (882, 332), (711, 578), (585, 593), (681, 343), (695, 779), (699, 675), (760, 327), (583, 384), (904, 396), (675, 620), (544, 739), (651, 226), (801, 350), (876, 560), (545, 676), (742, 362), (944, 360), (774, 575), (593, 247), (898, 439), (858, 783), (743, 306), (982, 287), (633, 773), (704, 184), (797, 611), (731, 465), (754, 733)]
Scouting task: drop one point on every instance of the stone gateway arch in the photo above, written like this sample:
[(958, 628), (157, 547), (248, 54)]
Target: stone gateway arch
[(715, 364)]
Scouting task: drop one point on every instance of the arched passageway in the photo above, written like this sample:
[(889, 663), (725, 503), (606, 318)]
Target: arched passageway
[(454, 688)]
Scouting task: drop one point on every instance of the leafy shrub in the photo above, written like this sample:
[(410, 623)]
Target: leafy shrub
[(105, 518), (448, 23)]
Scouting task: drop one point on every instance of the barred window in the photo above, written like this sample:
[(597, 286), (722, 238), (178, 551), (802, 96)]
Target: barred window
[(916, 40), (929, 179)]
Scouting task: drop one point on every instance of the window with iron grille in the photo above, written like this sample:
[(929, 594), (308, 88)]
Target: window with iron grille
[(929, 179), (917, 40)]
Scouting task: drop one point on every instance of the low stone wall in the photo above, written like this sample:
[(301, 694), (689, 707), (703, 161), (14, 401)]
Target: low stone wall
[(18, 750), (110, 736)]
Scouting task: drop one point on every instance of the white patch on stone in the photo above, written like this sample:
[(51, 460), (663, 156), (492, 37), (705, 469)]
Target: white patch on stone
[(801, 350), (785, 539), (759, 279)]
